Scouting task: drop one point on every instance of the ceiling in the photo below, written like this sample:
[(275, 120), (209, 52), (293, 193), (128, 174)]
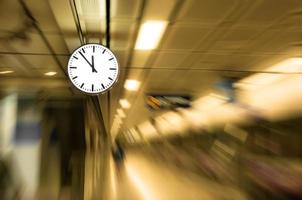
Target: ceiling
[(204, 40)]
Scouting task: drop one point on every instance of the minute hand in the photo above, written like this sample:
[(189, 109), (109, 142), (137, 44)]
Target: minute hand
[(91, 65)]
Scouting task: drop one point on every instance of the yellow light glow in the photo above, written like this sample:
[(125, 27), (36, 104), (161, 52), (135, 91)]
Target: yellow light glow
[(118, 120), (121, 113), (132, 85), (6, 72), (150, 34), (50, 73), (113, 179), (147, 129), (125, 104), (135, 134), (139, 182), (116, 126)]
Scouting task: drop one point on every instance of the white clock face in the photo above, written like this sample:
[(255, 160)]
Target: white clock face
[(93, 68)]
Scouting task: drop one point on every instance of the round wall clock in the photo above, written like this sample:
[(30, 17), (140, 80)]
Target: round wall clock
[(93, 68)]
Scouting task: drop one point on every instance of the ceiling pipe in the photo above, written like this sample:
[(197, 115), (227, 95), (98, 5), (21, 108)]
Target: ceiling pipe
[(108, 46), (76, 18)]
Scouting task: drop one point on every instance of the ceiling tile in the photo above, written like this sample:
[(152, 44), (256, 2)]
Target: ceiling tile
[(184, 37), (170, 59), (126, 9), (140, 58), (57, 43), (32, 44), (41, 61), (269, 11), (122, 57), (206, 11), (158, 11), (226, 61), (122, 34), (44, 16)]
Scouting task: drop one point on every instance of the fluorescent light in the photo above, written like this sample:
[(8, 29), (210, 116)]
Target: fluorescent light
[(102, 10), (125, 104), (284, 68), (150, 34), (293, 65), (121, 113), (132, 85), (6, 72), (50, 73)]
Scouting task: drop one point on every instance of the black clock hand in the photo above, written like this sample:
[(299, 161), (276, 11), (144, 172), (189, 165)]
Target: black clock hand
[(93, 69)]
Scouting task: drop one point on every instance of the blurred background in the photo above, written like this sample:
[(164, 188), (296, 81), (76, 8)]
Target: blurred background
[(208, 104)]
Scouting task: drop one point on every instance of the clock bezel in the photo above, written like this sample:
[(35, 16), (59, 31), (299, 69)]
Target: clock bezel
[(98, 93)]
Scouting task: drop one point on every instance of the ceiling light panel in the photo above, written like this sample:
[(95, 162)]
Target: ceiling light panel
[(150, 34), (6, 72), (50, 73), (125, 103), (121, 113), (132, 85)]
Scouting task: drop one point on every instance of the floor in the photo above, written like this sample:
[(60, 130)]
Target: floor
[(142, 178)]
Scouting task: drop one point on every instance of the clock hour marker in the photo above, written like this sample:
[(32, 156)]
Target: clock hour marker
[(92, 87), (93, 48), (82, 85), (103, 51), (83, 50), (110, 59), (74, 77), (103, 86), (75, 57), (110, 78), (73, 67), (112, 68)]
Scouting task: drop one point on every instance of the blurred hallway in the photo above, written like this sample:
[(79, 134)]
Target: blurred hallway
[(202, 97)]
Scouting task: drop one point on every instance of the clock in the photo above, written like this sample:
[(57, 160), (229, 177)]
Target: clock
[(93, 69)]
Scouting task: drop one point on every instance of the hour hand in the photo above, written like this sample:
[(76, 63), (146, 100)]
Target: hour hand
[(93, 69)]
